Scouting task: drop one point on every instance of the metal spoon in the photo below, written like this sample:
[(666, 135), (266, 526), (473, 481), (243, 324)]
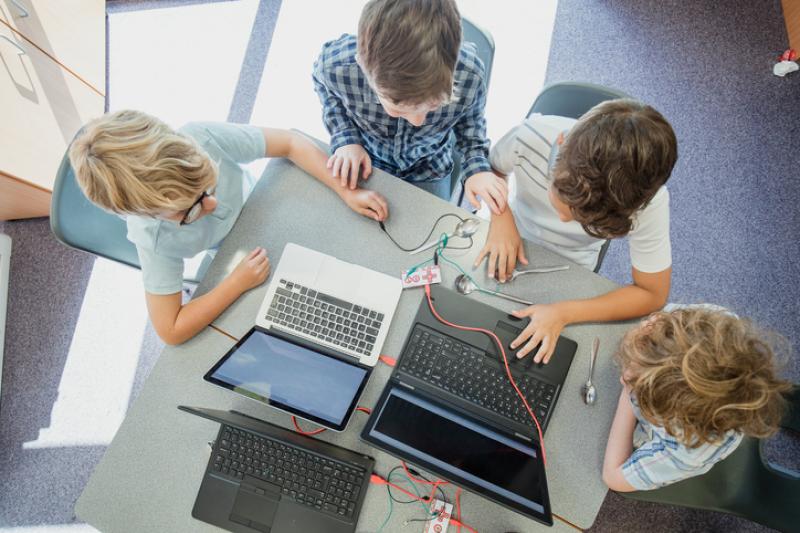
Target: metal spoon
[(464, 229), (588, 391), (543, 270), (465, 285)]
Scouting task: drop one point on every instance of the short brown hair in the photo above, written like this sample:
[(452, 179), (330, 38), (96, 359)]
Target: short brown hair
[(409, 48), (699, 373), (129, 162), (612, 163)]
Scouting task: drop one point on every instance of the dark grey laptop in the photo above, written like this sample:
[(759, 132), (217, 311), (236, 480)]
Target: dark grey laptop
[(449, 407), (264, 478)]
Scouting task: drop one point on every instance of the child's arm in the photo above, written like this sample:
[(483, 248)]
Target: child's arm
[(346, 144), (176, 323), (620, 444), (648, 293), (503, 243), (308, 156), (473, 145)]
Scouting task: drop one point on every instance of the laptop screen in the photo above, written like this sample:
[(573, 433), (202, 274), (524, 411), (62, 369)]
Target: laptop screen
[(292, 377), (456, 447)]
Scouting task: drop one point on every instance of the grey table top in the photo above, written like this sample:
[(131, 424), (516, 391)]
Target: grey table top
[(158, 456)]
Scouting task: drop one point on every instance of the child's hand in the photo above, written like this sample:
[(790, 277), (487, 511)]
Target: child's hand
[(252, 270), (346, 161), (368, 203), (545, 327), (491, 188), (503, 246)]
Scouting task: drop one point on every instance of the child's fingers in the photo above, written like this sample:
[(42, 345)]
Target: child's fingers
[(472, 199), (481, 255), (545, 350), (377, 206), (337, 164), (530, 346), (253, 252), (492, 203), (367, 167), (492, 266), (344, 172), (521, 254), (331, 159), (497, 194), (354, 174), (384, 206), (505, 265)]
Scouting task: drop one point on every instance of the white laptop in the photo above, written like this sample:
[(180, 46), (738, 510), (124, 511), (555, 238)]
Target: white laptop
[(335, 304)]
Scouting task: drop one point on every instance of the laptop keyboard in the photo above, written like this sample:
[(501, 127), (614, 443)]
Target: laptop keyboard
[(474, 376), (307, 478), (325, 317)]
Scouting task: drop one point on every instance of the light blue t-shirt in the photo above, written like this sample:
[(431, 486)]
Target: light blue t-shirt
[(163, 245)]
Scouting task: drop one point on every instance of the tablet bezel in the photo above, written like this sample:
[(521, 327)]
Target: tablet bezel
[(209, 377)]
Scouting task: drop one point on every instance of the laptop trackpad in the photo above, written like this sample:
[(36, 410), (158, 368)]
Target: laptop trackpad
[(254, 507)]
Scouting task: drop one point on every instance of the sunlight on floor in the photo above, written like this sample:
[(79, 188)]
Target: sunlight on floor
[(180, 63), (95, 385), (521, 33)]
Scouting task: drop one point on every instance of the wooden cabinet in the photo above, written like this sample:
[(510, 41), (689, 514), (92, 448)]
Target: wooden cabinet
[(791, 14), (43, 102)]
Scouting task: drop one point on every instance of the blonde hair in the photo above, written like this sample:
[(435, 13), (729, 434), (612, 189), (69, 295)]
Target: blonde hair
[(129, 162), (699, 373)]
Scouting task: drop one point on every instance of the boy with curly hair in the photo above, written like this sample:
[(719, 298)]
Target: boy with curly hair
[(695, 382)]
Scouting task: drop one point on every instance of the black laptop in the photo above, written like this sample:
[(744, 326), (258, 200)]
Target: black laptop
[(450, 408), (263, 478)]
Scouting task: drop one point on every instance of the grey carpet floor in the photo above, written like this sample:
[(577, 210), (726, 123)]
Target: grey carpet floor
[(734, 197), (735, 190)]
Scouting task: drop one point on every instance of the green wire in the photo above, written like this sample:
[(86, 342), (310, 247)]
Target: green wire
[(388, 516), (391, 504)]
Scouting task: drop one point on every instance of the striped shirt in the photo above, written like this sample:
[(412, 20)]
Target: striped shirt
[(660, 459), (353, 115), (529, 152)]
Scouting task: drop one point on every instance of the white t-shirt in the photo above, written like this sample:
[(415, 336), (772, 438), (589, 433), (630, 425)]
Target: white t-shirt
[(528, 151)]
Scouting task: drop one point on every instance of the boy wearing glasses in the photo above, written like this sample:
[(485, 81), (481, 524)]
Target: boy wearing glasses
[(181, 192)]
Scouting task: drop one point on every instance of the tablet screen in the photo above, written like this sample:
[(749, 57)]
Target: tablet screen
[(290, 376)]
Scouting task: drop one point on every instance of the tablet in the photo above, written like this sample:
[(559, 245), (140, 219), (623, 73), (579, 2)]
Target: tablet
[(293, 375)]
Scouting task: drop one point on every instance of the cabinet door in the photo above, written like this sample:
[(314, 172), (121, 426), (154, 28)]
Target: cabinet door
[(42, 106), (71, 31)]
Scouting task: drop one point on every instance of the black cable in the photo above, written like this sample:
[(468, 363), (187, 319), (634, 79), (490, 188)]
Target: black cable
[(426, 239)]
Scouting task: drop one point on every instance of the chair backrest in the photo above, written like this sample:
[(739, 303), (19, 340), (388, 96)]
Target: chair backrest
[(572, 99), (78, 223), (743, 484), (484, 43)]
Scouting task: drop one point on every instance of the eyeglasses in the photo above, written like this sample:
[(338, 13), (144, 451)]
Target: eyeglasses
[(193, 213)]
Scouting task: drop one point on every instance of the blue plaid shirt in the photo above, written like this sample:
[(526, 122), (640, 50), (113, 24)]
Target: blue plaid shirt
[(659, 459), (353, 115)]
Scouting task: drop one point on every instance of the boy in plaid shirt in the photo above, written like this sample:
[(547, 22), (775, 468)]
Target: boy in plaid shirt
[(393, 96)]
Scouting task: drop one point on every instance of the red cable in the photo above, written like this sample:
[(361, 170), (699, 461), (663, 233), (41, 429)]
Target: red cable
[(505, 362), (458, 508), (298, 429), (419, 480)]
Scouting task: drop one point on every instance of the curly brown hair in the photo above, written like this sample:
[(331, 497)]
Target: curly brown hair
[(699, 373), (409, 48), (612, 163)]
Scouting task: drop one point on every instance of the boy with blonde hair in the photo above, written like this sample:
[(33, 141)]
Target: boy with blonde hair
[(695, 381), (181, 192), (393, 96)]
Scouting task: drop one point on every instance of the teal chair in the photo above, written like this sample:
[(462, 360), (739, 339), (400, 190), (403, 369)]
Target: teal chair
[(573, 99), (742, 484), (78, 223), (484, 44)]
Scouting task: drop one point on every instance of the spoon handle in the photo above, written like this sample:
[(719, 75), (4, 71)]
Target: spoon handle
[(508, 297), (593, 357), (542, 270)]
